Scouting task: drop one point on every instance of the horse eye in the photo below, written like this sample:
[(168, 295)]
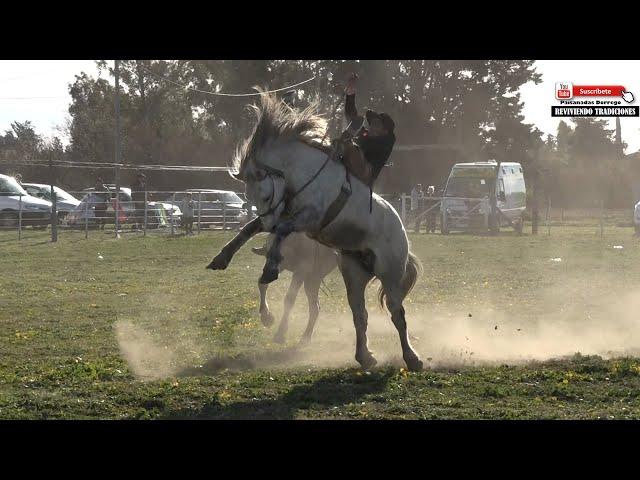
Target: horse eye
[(260, 175)]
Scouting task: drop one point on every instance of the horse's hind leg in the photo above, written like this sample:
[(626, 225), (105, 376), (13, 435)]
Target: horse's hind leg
[(356, 278), (289, 301), (265, 315), (394, 296), (312, 289)]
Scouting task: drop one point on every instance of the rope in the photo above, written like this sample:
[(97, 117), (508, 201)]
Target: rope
[(219, 94), (104, 165)]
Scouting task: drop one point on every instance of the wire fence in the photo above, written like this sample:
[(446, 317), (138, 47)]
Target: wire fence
[(427, 211), (169, 212), (190, 213)]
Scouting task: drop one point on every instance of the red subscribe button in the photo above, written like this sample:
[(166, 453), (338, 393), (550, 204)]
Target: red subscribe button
[(598, 90)]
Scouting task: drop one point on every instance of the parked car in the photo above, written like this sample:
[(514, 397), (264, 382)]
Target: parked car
[(466, 203), (216, 205), (65, 202), (159, 214), (14, 198)]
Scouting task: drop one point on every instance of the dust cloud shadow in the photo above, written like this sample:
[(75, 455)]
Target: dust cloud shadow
[(245, 361), (335, 390)]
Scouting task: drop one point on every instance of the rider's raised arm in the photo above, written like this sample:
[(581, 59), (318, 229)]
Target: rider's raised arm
[(350, 110)]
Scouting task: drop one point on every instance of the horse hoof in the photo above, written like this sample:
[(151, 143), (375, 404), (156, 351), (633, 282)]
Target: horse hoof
[(279, 338), (368, 362), (267, 319), (305, 340), (414, 365), (269, 275), (220, 262)]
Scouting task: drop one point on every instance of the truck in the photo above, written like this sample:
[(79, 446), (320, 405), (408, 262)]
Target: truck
[(473, 188)]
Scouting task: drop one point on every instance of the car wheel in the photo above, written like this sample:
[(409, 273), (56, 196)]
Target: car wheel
[(8, 219)]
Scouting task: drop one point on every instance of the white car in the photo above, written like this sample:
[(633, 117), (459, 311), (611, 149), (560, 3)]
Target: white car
[(636, 218), (14, 198), (65, 202)]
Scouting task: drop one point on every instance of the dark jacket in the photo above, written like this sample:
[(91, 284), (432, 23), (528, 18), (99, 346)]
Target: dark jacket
[(376, 150)]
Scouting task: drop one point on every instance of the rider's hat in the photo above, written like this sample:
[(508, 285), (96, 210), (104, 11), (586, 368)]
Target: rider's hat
[(383, 117)]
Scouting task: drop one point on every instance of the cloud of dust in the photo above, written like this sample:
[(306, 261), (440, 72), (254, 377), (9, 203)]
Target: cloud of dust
[(159, 343), (583, 315)]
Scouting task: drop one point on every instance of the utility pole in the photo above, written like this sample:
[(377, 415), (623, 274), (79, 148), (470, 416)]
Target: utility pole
[(117, 172), (494, 217), (54, 209)]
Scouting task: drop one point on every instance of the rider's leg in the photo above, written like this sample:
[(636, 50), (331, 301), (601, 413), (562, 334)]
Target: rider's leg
[(305, 218)]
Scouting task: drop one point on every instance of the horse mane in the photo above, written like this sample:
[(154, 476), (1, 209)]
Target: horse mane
[(278, 123)]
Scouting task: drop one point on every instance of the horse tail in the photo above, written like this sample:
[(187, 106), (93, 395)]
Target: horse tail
[(413, 271)]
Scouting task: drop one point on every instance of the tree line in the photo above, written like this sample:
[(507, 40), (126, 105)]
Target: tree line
[(474, 104)]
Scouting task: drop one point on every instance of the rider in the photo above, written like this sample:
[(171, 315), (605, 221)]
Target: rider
[(367, 148)]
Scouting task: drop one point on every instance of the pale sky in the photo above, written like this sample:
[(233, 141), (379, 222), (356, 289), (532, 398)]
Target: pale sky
[(38, 90)]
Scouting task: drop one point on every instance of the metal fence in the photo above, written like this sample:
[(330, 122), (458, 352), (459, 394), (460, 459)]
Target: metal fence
[(158, 212), (162, 212)]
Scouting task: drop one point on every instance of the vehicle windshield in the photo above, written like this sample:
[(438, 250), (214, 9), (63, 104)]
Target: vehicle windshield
[(9, 186), (45, 192), (230, 197), (226, 197), (65, 196), (470, 182)]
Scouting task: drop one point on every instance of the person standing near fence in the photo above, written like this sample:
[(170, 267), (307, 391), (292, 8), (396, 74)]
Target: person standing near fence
[(188, 207), (138, 190), (430, 202)]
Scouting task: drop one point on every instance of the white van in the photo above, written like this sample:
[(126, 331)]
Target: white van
[(466, 201), (35, 211)]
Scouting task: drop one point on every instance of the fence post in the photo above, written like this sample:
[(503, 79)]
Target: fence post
[(548, 215), (117, 203), (173, 205), (224, 215), (86, 220), (199, 198), (601, 218), (144, 232), (20, 217)]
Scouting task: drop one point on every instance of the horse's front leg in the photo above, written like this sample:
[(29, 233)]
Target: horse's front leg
[(305, 218), (222, 260)]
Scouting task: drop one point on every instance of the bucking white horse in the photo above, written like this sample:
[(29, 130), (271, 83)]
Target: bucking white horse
[(298, 186)]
